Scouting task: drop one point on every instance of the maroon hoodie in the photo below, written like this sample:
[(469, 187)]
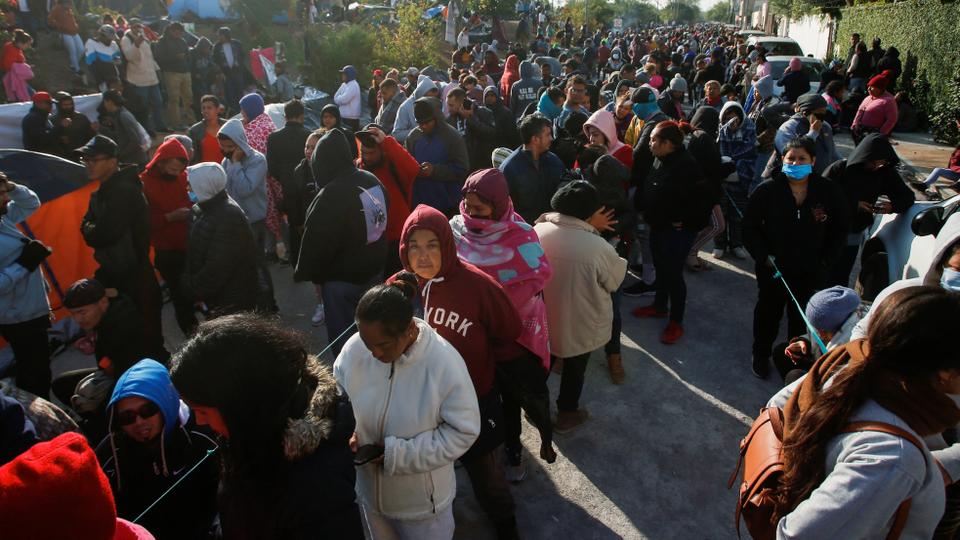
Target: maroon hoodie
[(464, 305)]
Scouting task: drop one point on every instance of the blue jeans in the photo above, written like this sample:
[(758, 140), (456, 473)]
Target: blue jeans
[(340, 299), (153, 101), (74, 46), (941, 173)]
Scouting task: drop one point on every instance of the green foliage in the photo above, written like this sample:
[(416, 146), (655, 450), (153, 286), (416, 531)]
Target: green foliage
[(931, 46), (489, 8), (594, 12), (679, 10), (633, 12), (719, 12), (256, 16), (413, 42), (329, 48)]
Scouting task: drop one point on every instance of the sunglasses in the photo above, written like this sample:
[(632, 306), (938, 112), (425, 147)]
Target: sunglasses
[(147, 410)]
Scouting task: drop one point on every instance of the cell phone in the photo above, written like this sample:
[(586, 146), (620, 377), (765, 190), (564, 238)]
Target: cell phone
[(367, 453)]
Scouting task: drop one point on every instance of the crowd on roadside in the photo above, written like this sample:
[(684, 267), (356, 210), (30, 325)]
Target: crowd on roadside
[(467, 233)]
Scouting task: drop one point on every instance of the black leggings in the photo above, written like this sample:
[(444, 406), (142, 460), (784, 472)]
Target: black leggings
[(523, 384)]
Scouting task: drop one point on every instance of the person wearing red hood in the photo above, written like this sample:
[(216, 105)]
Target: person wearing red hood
[(61, 475), (469, 309), (601, 129), (165, 186), (511, 74), (878, 112)]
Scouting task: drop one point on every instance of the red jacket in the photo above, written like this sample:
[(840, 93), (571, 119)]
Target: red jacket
[(396, 172), (955, 160), (11, 55), (165, 196), (464, 305)]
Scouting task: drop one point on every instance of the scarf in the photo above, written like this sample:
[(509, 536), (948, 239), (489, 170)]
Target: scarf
[(924, 408), (509, 251)]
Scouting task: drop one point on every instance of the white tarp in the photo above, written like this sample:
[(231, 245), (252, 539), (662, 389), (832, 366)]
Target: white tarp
[(11, 118)]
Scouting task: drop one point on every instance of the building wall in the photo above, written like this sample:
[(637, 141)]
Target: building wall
[(814, 33)]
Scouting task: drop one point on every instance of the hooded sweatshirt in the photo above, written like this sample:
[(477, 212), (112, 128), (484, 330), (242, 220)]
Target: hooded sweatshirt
[(547, 107), (23, 294), (406, 122), (247, 178), (603, 120), (164, 195), (524, 91), (511, 74), (348, 96), (507, 133), (464, 305), (739, 144), (387, 116), (446, 150), (860, 185), (344, 238)]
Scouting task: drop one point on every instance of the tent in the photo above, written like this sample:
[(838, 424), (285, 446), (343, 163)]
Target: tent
[(203, 9)]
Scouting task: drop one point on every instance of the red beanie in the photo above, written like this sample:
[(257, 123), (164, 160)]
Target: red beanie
[(57, 490), (881, 80)]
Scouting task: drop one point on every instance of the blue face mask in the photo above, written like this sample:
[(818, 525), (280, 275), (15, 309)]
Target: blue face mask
[(193, 197), (950, 280), (644, 110), (797, 173)]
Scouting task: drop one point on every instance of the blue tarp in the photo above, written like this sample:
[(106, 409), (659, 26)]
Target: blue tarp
[(204, 9)]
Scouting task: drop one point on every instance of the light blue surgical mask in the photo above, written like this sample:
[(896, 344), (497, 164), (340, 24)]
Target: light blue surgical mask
[(193, 197), (950, 280), (797, 173)]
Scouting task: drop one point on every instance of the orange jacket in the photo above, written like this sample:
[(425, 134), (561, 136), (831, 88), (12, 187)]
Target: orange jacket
[(62, 20)]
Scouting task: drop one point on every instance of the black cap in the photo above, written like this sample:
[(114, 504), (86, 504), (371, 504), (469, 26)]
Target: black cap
[(83, 293), (99, 145), (811, 102), (365, 136), (423, 110), (578, 199)]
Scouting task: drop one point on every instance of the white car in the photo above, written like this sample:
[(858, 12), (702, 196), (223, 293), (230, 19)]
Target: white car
[(777, 46), (811, 66), (750, 33)]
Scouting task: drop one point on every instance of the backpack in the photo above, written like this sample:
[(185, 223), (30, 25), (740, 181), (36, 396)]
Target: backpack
[(761, 459)]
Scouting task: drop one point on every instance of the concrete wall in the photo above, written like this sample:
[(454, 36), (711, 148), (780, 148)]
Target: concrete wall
[(814, 33)]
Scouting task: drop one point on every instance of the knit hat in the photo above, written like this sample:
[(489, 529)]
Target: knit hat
[(578, 199), (830, 308), (206, 180), (423, 110), (83, 293), (881, 80), (500, 155), (811, 102), (678, 84), (41, 97), (491, 186), (61, 475), (252, 105)]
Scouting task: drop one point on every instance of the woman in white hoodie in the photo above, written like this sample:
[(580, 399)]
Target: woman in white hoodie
[(416, 413)]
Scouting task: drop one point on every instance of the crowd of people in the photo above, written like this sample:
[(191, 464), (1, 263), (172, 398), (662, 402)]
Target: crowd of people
[(477, 234)]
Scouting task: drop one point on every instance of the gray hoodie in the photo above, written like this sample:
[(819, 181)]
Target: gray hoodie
[(524, 91), (405, 121), (247, 178)]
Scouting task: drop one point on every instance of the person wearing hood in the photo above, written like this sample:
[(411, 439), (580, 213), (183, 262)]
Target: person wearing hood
[(393, 98), (523, 92), (258, 126), (811, 109), (117, 228), (288, 467), (165, 187), (615, 62), (878, 111), (406, 121), (762, 108), (344, 240), (869, 173), (507, 133), (476, 124), (71, 128), (151, 445), (671, 101), (24, 308), (586, 271), (491, 64), (421, 411), (890, 62), (738, 141), (36, 127), (511, 74), (348, 98), (478, 327), (222, 258), (794, 227), (204, 133), (443, 158), (487, 231), (601, 129), (533, 172), (795, 81), (330, 119)]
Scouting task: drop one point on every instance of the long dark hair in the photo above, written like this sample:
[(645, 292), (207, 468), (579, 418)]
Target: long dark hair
[(909, 336)]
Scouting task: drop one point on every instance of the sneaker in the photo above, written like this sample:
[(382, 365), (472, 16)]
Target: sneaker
[(615, 366), (514, 471), (649, 312), (569, 421), (318, 316), (640, 288), (741, 253), (672, 333), (761, 368), (718, 253)]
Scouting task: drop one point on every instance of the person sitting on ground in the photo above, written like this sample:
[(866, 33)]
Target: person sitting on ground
[(586, 270), (72, 129), (485, 230), (433, 420), (952, 171), (153, 444), (833, 95), (286, 426), (38, 131)]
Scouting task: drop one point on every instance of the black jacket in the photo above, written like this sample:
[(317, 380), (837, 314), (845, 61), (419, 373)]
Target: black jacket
[(609, 176), (303, 189), (167, 52), (344, 238), (508, 135), (196, 133), (669, 193), (221, 268), (805, 240), (76, 135), (480, 136), (120, 337), (117, 227), (284, 152), (239, 58), (667, 106), (858, 184), (642, 158), (38, 134)]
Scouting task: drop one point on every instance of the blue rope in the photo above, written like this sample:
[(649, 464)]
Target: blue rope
[(175, 484), (777, 274), (327, 348)]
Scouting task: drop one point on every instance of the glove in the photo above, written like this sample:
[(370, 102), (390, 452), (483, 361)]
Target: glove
[(34, 253)]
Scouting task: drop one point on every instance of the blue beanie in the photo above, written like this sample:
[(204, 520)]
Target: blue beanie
[(830, 308), (252, 105)]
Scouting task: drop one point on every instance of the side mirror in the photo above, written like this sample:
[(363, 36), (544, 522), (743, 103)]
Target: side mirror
[(927, 222)]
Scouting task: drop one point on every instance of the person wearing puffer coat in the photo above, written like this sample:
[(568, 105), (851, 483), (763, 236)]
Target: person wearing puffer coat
[(601, 129), (221, 267), (405, 121)]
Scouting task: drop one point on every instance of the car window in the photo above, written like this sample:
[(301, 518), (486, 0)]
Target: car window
[(781, 48)]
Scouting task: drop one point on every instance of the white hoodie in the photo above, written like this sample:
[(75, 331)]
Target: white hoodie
[(423, 408)]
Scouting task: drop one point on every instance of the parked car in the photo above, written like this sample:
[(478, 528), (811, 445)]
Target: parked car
[(811, 66), (777, 46), (747, 34)]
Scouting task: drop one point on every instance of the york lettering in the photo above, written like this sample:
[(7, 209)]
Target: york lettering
[(441, 318)]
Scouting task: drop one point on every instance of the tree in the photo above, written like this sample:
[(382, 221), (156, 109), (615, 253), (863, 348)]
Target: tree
[(680, 11), (413, 42), (633, 12), (719, 12)]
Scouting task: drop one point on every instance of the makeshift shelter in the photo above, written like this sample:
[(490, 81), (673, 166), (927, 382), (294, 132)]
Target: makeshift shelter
[(203, 9)]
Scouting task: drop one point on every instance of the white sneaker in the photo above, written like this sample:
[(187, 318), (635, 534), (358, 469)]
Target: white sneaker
[(740, 253), (718, 253), (318, 317)]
